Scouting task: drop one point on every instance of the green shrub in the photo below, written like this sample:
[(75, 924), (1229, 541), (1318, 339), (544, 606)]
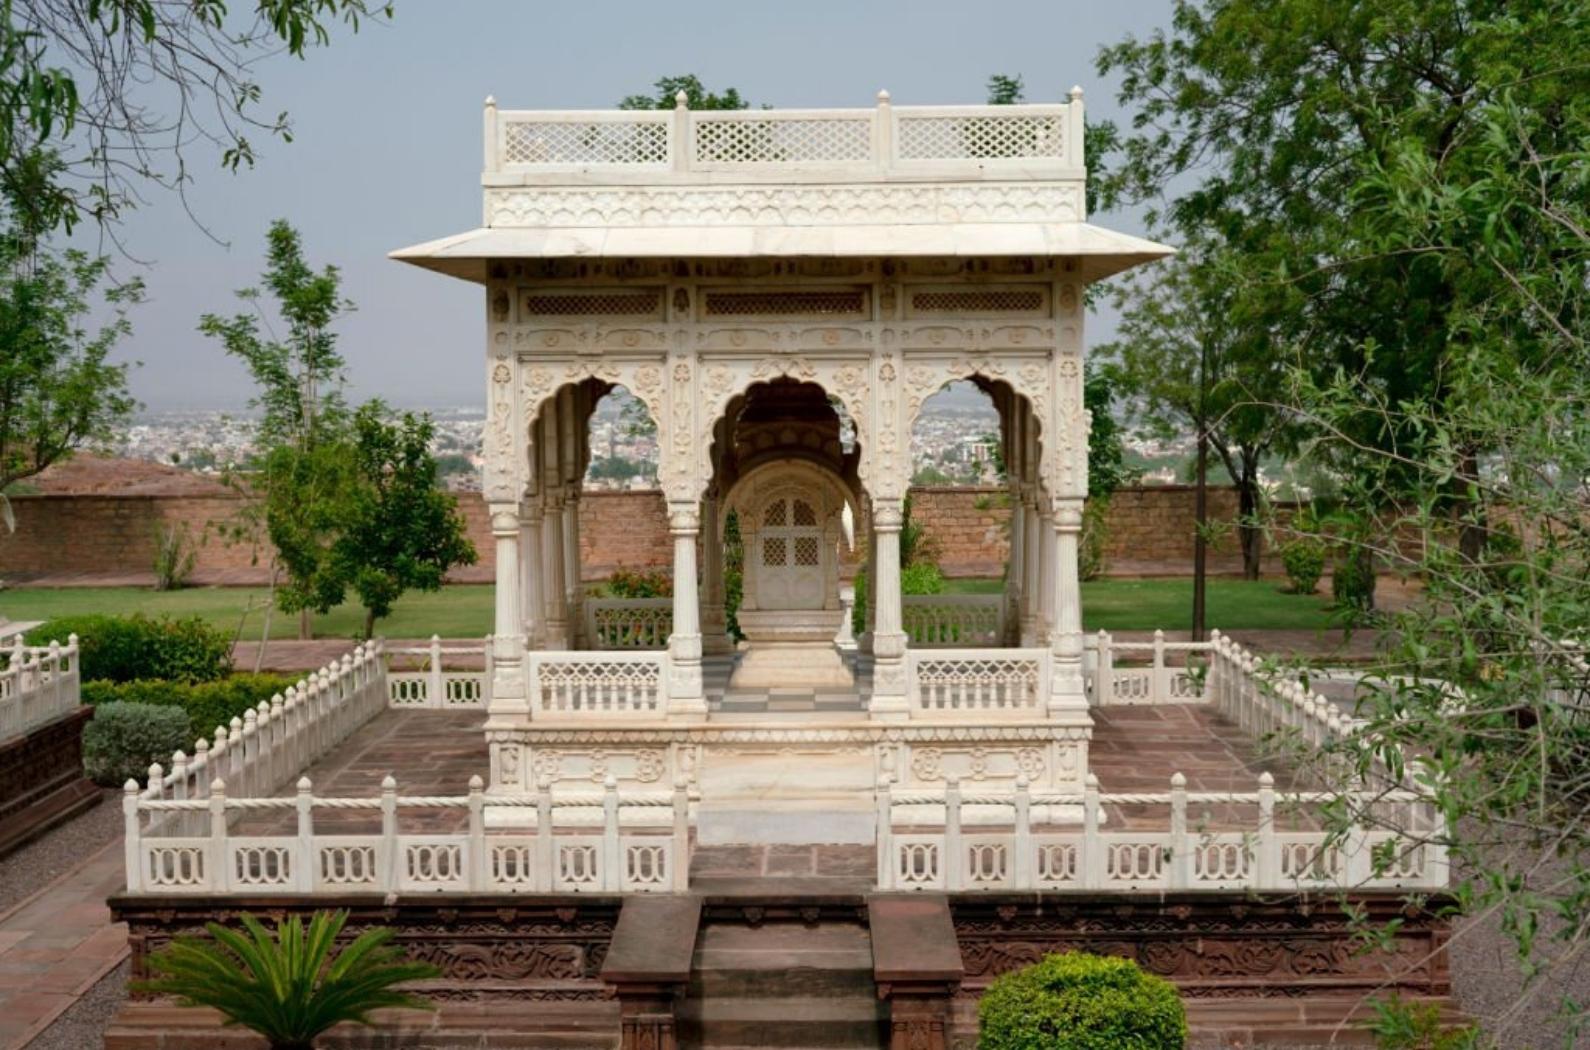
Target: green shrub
[(858, 614), (1091, 559), (125, 648), (123, 740), (207, 704), (638, 583), (921, 578), (1081, 1002), (1353, 581), (1304, 561)]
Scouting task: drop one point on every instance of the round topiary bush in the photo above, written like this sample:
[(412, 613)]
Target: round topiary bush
[(1077, 1001), (123, 740)]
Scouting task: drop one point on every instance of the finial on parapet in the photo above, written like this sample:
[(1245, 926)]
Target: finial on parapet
[(681, 100), (883, 96), (1075, 94), (491, 101)]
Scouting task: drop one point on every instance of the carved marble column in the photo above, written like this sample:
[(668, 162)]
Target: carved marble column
[(1039, 559), (532, 606), (552, 555), (889, 683), (508, 700), (1015, 571), (686, 698), (869, 615), (1068, 691), (714, 616), (573, 588)]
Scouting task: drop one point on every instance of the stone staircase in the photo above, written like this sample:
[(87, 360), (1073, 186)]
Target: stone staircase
[(763, 977)]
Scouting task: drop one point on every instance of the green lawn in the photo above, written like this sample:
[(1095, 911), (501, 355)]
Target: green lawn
[(466, 611)]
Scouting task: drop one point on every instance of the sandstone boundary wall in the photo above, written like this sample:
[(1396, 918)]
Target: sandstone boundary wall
[(66, 537)]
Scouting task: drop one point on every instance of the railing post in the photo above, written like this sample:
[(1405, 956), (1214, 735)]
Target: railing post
[(216, 875), (389, 835), (247, 781), (1092, 845), (485, 685), (477, 834), (883, 801), (1180, 855), (1076, 129), (1360, 865), (681, 843), (682, 144), (489, 133), (952, 834), (55, 680), (885, 136), (612, 873), (282, 765), (306, 836), (132, 847), (544, 845), (1024, 866), (1104, 677), (434, 694), (1266, 866), (1159, 690)]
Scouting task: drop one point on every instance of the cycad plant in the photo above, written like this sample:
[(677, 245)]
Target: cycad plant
[(288, 986)]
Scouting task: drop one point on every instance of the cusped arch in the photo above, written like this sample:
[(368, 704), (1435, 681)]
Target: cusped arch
[(722, 382), (1029, 381)]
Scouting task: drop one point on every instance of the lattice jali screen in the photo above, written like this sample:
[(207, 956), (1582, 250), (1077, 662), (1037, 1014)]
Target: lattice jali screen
[(643, 302), (773, 550), (804, 515), (980, 301), (827, 302), (806, 550), (783, 141), (979, 138), (585, 142)]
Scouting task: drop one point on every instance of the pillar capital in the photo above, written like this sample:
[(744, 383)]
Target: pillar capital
[(683, 519), (888, 514), (504, 519)]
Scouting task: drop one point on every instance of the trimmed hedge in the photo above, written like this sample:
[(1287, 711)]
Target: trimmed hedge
[(1077, 1001), (128, 648), (122, 741), (205, 704)]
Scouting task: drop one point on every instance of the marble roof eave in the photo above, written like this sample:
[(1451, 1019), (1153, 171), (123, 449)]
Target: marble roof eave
[(1100, 252)]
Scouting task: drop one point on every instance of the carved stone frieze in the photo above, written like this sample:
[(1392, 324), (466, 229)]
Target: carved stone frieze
[(1212, 945), (742, 205)]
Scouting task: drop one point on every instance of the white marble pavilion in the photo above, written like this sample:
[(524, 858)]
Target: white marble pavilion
[(753, 277)]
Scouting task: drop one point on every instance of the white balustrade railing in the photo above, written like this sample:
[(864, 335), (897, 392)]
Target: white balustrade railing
[(1158, 681), (953, 620), (981, 682), (38, 684), (628, 623), (600, 842), (1265, 704), (969, 142), (437, 685), (269, 745), (605, 685), (994, 841)]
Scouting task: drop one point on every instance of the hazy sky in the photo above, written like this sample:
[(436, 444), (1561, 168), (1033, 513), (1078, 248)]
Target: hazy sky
[(387, 148)]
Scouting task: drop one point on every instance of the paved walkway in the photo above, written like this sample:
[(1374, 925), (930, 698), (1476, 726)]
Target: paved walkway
[(57, 944)]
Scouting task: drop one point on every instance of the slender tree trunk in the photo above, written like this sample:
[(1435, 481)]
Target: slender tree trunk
[(1248, 531), (306, 627), (369, 625)]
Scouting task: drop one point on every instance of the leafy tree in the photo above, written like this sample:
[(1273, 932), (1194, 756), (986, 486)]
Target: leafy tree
[(1193, 358), (666, 90), (1414, 173), (291, 985), (304, 463), (396, 528), (1005, 90), (130, 87), (58, 389), (1281, 110)]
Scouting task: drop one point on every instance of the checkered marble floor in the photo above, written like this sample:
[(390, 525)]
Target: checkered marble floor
[(715, 674)]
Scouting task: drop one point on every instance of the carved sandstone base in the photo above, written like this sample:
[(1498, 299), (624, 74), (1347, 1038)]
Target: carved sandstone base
[(41, 779)]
